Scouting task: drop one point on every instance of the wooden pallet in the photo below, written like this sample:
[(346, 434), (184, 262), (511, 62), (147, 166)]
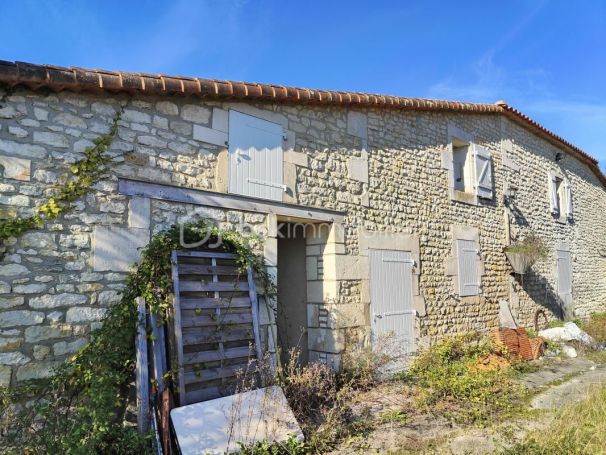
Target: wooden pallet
[(216, 324)]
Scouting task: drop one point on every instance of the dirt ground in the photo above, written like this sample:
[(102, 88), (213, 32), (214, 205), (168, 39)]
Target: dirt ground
[(400, 429)]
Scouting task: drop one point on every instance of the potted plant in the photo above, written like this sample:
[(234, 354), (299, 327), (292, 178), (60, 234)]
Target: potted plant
[(524, 253)]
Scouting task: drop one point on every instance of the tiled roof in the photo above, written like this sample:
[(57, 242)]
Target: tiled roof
[(79, 79)]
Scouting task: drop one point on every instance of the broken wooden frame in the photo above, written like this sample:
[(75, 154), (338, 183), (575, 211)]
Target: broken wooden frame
[(216, 324)]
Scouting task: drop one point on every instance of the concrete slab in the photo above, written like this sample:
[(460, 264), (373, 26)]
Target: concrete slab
[(575, 389), (217, 426)]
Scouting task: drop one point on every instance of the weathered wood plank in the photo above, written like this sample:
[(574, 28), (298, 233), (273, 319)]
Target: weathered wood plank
[(255, 312), (142, 373), (190, 319), (157, 343), (178, 325), (203, 269), (206, 254), (193, 303), (218, 286), (211, 374), (196, 335), (211, 356), (229, 201), (198, 395)]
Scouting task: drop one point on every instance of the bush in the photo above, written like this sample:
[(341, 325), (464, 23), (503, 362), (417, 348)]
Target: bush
[(320, 401), (291, 447), (465, 378)]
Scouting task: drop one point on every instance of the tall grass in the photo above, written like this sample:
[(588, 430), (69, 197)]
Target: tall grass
[(596, 327), (578, 428)]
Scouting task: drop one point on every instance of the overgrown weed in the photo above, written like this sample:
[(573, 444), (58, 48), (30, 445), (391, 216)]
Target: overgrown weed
[(451, 380)]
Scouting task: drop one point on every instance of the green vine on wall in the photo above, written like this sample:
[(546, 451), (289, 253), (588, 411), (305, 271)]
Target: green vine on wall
[(85, 173), (81, 409)]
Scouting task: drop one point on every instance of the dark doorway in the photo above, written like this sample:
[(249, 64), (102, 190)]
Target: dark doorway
[(292, 291)]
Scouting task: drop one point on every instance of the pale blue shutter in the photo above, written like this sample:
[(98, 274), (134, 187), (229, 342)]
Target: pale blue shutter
[(568, 189), (483, 172), (469, 279), (391, 296), (564, 274), (256, 157), (552, 188)]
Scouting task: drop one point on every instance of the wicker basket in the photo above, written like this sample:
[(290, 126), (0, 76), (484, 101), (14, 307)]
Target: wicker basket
[(517, 342)]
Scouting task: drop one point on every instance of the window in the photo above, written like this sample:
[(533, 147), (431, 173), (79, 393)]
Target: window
[(469, 166), (560, 196), (255, 157)]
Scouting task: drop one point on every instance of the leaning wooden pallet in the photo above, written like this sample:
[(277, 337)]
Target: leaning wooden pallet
[(216, 324)]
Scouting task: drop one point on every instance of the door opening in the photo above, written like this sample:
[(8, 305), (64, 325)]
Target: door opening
[(292, 291)]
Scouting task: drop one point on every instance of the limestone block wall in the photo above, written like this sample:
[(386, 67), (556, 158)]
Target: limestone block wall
[(383, 169)]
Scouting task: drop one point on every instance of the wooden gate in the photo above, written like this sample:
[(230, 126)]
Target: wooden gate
[(216, 324)]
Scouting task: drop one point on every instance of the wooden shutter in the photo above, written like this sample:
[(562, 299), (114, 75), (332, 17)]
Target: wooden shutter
[(568, 189), (256, 157), (552, 190), (391, 296), (469, 280), (483, 172)]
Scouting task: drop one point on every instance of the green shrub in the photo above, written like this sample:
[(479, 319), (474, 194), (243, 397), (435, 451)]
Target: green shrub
[(291, 447), (451, 380)]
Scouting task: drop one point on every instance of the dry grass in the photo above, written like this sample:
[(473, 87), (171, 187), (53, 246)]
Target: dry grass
[(466, 378), (596, 327), (578, 428)]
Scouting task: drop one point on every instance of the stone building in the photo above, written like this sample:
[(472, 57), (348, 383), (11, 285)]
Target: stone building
[(406, 204)]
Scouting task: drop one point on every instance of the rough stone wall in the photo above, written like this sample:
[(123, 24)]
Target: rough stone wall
[(383, 168)]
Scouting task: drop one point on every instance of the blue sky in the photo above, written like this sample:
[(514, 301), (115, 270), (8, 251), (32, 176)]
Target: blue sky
[(546, 58)]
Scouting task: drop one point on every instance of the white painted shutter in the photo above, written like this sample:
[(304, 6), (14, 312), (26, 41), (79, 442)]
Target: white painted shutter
[(483, 172), (391, 296), (469, 280), (564, 284), (553, 194), (256, 157), (568, 189), (564, 274)]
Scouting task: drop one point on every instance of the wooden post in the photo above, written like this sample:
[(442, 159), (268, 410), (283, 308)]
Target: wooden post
[(178, 334), (142, 374), (254, 303)]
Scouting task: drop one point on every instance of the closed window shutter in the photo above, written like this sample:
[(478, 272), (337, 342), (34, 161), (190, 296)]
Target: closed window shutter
[(568, 189), (469, 280), (255, 157), (553, 194), (483, 172)]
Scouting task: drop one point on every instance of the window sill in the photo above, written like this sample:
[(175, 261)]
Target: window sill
[(461, 196)]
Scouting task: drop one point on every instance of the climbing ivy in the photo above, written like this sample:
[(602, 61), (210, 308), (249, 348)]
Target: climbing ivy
[(85, 173), (82, 407)]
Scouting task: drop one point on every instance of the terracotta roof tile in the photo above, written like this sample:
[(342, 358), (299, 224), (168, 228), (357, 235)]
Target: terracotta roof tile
[(79, 79)]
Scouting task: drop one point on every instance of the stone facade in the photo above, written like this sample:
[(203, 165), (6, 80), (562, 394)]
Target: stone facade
[(383, 170)]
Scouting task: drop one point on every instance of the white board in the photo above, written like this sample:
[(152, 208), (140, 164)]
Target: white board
[(217, 426)]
